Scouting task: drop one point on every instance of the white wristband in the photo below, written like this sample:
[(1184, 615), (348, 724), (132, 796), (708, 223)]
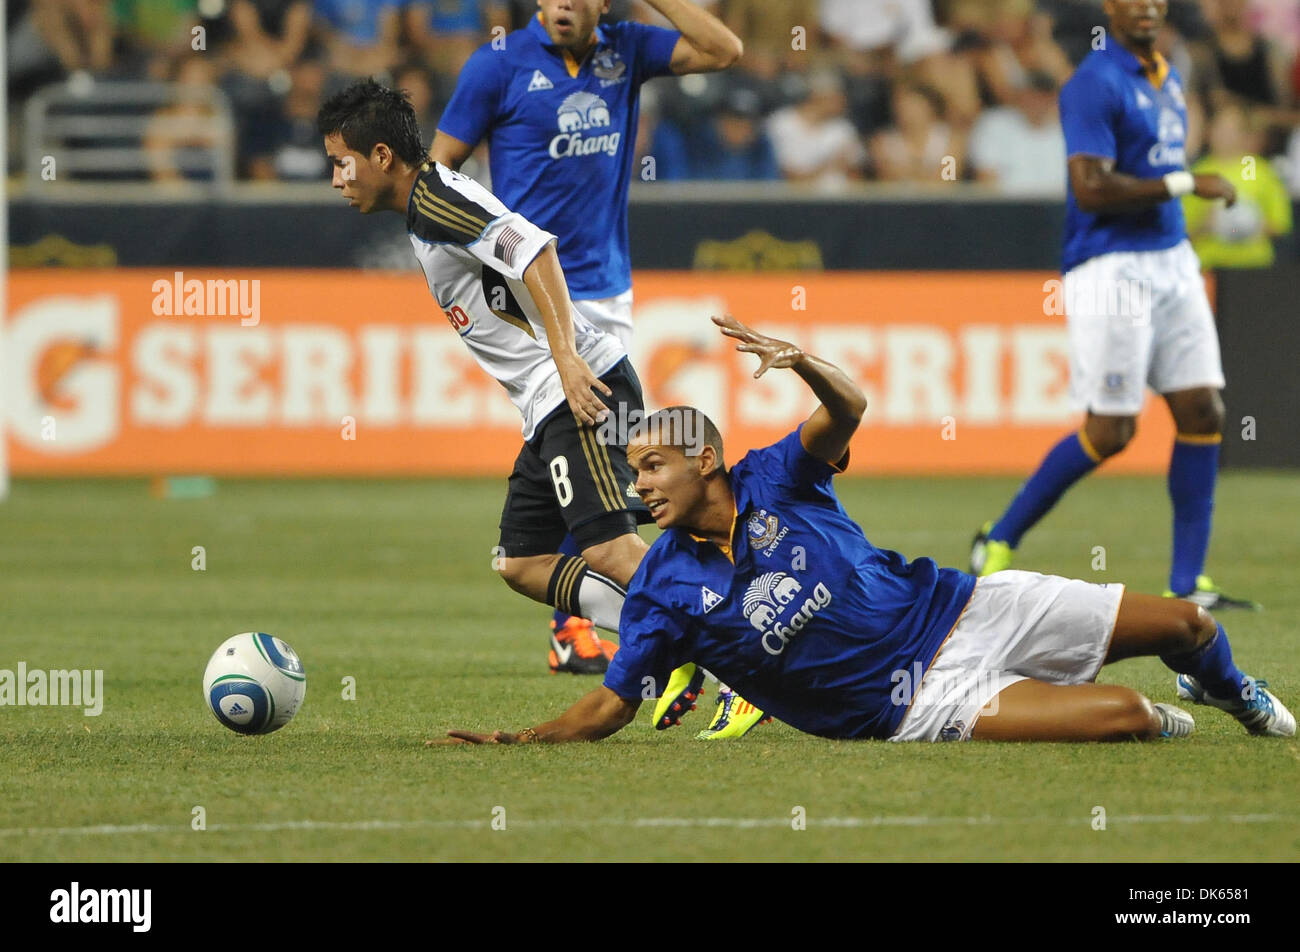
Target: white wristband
[(1180, 183)]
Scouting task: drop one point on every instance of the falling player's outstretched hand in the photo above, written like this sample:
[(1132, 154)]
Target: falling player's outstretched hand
[(772, 353), (456, 738), (579, 383)]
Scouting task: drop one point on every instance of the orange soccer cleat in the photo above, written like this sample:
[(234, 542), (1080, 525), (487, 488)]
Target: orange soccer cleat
[(577, 649)]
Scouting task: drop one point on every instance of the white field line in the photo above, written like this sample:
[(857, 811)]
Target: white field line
[(723, 822)]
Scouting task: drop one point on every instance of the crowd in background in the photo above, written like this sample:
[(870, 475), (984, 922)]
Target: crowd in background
[(828, 91)]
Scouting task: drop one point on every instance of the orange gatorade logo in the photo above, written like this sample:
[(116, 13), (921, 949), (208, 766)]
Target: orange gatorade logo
[(349, 372)]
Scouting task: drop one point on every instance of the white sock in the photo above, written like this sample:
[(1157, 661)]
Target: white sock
[(601, 600)]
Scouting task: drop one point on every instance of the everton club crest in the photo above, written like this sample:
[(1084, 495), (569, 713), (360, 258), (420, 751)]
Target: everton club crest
[(608, 67), (764, 532)]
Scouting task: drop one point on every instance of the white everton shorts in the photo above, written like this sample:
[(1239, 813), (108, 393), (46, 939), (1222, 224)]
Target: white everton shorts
[(612, 315), (1139, 318), (1017, 625)]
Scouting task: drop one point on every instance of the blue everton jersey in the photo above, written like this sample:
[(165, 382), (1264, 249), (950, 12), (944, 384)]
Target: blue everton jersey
[(561, 137), (812, 623), (1112, 109)]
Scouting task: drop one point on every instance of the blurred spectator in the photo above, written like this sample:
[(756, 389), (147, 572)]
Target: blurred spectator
[(906, 26), (267, 36), (1006, 39), (287, 147), (69, 35), (1249, 65), (770, 30), (889, 37), (1021, 149), (362, 36), (1280, 21), (920, 147), (180, 138), (730, 145), (814, 141), (420, 87), (446, 32), (647, 128), (1291, 162), (1240, 236), (154, 33)]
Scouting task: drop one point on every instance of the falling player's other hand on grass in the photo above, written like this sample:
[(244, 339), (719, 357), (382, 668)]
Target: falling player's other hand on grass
[(457, 738)]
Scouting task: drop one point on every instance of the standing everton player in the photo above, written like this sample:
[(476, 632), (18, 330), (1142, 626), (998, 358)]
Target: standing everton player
[(557, 104), (1135, 303)]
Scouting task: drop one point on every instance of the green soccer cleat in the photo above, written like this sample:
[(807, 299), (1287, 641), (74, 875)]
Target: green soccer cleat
[(735, 717), (1212, 598), (679, 697), (988, 555)]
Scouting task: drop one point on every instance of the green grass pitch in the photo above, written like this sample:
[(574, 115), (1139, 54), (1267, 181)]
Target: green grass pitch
[(391, 583)]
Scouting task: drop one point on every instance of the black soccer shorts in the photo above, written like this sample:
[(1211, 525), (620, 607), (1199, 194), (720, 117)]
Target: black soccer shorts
[(568, 480)]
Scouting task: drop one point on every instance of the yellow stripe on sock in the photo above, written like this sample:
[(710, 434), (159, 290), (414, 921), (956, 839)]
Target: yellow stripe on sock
[(1088, 447), (1199, 439)]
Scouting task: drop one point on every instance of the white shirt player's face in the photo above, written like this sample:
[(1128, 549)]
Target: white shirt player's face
[(353, 175), (569, 23)]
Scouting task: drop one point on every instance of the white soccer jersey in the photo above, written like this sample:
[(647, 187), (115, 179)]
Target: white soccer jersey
[(474, 252)]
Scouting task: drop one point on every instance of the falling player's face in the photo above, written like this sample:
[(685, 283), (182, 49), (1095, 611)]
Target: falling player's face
[(365, 181), (569, 23), (1136, 21), (669, 482)]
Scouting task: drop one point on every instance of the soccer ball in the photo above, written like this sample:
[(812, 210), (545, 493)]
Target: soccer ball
[(254, 683)]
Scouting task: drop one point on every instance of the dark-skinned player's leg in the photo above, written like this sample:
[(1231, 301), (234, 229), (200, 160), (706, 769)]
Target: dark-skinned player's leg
[(1072, 458), (1193, 470)]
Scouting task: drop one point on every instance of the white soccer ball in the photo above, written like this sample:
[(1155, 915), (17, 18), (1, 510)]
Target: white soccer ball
[(254, 683)]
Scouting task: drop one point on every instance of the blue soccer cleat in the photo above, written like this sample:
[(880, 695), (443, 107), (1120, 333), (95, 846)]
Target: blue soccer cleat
[(1257, 709)]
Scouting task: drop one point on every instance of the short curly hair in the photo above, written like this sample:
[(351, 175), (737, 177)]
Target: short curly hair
[(368, 113)]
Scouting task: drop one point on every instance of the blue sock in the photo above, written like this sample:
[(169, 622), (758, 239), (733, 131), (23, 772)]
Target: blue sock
[(1193, 469), (568, 547), (1067, 462), (1211, 664)]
